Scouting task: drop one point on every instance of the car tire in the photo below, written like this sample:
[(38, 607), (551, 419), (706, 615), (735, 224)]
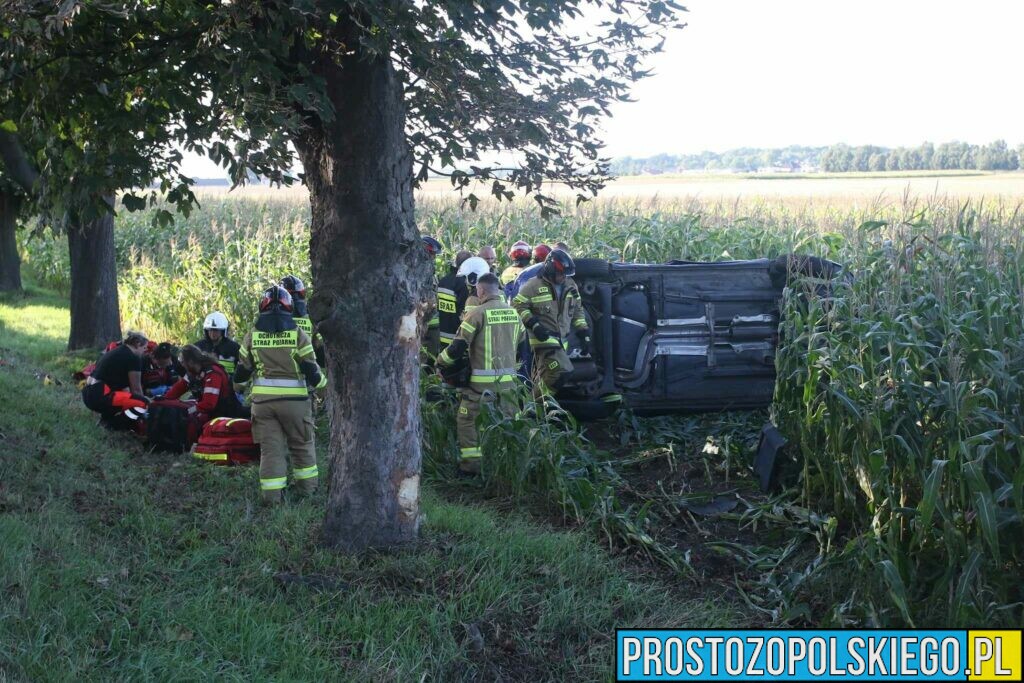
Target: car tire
[(592, 268)]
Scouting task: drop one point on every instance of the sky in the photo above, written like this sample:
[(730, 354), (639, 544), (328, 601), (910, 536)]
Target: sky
[(760, 73), (772, 73)]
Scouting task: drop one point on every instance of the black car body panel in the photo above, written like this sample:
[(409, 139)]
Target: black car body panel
[(680, 337)]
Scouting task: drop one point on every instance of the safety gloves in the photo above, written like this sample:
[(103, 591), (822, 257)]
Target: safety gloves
[(539, 331)]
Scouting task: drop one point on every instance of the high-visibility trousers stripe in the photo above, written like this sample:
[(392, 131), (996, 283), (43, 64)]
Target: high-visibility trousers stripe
[(305, 472), (471, 453), (273, 484), (216, 457)]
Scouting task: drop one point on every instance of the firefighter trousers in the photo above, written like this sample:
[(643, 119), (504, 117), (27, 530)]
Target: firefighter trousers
[(284, 429), (470, 405), (550, 366)]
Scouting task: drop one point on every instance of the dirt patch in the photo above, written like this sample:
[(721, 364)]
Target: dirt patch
[(507, 646), (693, 511)]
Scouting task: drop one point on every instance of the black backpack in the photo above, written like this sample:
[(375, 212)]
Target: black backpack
[(170, 427)]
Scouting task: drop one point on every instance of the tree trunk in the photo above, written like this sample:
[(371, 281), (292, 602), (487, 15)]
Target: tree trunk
[(95, 317), (371, 279), (10, 261)]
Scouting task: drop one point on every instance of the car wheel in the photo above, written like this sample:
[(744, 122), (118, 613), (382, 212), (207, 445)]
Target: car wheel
[(592, 268)]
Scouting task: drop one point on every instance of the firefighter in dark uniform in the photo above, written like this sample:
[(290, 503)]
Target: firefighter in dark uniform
[(278, 357), (218, 343), (430, 344), (452, 292), (550, 306), (488, 338)]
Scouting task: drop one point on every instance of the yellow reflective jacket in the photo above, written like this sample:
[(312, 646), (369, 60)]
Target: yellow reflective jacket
[(536, 298), (511, 273), (491, 332), (282, 365)]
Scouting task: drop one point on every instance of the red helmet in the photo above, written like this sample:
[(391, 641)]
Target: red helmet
[(558, 262), (276, 296), (295, 286), (432, 246), (540, 253), (519, 250)]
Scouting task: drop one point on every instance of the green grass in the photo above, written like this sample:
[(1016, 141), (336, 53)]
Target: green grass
[(118, 564)]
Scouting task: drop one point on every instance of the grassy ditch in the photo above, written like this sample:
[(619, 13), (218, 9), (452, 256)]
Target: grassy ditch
[(119, 564)]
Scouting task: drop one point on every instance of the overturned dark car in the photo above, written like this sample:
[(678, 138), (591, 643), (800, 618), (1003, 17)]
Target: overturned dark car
[(682, 336)]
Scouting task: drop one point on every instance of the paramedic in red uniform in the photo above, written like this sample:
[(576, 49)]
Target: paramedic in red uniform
[(210, 386), (116, 383)]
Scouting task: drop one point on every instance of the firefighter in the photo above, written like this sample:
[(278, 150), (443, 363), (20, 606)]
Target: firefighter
[(471, 269), (488, 336), (431, 341), (279, 359), (452, 293), (115, 385), (550, 305), (297, 288), (209, 384), (218, 343), (540, 253), (520, 255)]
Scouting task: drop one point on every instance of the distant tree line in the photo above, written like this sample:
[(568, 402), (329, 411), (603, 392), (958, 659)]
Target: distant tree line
[(841, 158)]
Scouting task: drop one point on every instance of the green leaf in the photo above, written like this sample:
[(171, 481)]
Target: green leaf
[(988, 521), (9, 126), (970, 570), (872, 226), (926, 509), (897, 589)]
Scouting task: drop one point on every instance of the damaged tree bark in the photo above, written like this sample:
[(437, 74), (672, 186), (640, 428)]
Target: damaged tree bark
[(371, 279)]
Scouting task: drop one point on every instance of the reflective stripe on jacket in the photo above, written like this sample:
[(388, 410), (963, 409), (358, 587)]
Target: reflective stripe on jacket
[(276, 360), (492, 332), (451, 299), (536, 298)]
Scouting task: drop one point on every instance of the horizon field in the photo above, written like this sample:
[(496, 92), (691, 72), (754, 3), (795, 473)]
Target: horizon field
[(856, 188)]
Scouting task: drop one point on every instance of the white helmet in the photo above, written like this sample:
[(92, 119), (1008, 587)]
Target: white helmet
[(216, 321), (472, 268)]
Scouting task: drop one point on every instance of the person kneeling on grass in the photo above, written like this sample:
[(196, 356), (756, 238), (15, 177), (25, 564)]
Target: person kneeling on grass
[(212, 393), (114, 389)]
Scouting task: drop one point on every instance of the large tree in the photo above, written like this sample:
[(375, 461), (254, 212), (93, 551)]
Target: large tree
[(12, 206), (373, 96)]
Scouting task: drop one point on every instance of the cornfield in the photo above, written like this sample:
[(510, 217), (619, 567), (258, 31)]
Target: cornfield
[(901, 394)]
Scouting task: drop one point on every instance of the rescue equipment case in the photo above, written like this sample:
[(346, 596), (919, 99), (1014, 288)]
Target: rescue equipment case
[(227, 441)]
